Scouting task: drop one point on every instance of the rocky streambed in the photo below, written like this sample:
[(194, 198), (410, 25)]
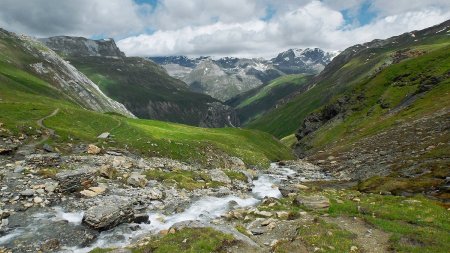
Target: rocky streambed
[(76, 203)]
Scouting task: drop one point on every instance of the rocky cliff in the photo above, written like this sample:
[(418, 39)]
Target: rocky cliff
[(79, 46)]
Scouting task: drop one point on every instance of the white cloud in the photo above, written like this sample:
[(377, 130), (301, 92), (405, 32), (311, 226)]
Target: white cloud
[(221, 27), (80, 17), (312, 25)]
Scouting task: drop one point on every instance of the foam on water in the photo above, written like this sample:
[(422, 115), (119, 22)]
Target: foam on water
[(264, 187)]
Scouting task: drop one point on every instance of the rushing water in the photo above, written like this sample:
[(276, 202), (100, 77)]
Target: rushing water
[(204, 209)]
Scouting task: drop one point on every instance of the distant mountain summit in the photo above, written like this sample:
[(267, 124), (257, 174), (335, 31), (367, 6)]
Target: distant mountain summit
[(296, 61), (227, 77)]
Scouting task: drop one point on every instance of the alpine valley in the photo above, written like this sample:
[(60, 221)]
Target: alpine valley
[(310, 151)]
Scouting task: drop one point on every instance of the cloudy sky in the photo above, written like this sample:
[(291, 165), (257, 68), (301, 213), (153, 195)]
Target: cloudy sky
[(250, 28)]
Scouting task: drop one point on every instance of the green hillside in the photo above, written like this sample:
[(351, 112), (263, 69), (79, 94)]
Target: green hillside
[(350, 71), (256, 102), (144, 88), (26, 97)]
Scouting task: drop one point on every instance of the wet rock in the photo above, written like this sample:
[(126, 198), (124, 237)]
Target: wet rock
[(27, 193), (75, 180), (104, 135), (51, 245), (44, 160), (109, 213), (218, 175), (137, 180), (93, 150), (141, 218), (313, 202)]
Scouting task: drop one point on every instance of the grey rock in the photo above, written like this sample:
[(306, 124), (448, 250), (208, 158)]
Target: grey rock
[(109, 213), (313, 202), (44, 160), (104, 135), (218, 175), (27, 193), (47, 148), (141, 218), (137, 180), (74, 180), (19, 169)]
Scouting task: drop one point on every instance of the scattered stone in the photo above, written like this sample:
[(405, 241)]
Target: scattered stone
[(137, 180), (27, 193), (301, 187), (237, 163), (6, 151), (263, 213), (88, 193), (155, 194), (218, 175), (44, 160), (93, 150), (283, 215), (107, 171), (104, 135), (50, 186), (47, 148), (313, 202), (71, 181), (19, 169), (353, 249), (38, 200), (257, 231), (109, 213)]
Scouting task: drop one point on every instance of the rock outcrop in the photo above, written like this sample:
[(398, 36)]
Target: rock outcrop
[(109, 213)]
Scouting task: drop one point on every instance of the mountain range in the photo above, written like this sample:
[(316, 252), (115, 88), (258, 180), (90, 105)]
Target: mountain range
[(227, 77), (140, 85)]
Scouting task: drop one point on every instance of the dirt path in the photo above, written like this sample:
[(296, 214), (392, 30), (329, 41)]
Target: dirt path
[(30, 147), (372, 240), (40, 123)]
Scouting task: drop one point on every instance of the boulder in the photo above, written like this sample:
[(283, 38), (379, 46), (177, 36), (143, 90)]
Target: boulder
[(237, 163), (93, 150), (313, 202), (218, 175), (109, 213), (141, 218), (287, 189), (75, 180), (44, 160), (104, 135), (155, 194), (27, 193), (137, 180), (107, 171)]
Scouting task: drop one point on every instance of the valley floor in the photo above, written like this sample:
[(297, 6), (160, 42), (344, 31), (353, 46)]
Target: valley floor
[(114, 201)]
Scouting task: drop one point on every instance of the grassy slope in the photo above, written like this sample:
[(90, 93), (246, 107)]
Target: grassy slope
[(25, 98), (138, 83), (369, 117), (286, 119), (256, 102)]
